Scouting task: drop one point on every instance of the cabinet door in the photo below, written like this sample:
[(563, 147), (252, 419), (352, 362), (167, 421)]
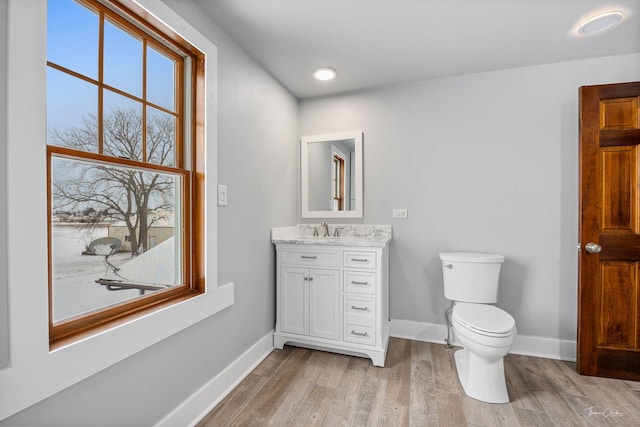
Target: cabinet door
[(294, 300), (324, 303)]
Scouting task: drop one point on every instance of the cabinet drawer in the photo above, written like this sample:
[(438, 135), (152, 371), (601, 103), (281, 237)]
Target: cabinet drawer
[(311, 258), (359, 259), (359, 334), (360, 282), (361, 311)]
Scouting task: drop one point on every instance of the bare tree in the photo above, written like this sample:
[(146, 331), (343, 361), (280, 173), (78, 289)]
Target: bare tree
[(139, 198)]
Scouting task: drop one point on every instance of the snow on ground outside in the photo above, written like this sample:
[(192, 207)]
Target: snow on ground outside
[(74, 289)]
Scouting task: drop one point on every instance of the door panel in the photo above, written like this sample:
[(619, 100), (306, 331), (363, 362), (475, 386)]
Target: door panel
[(618, 298), (324, 304), (619, 113), (294, 295), (619, 183), (608, 314)]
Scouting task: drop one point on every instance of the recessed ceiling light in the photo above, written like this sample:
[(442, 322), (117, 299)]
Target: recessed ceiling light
[(599, 23), (324, 73)]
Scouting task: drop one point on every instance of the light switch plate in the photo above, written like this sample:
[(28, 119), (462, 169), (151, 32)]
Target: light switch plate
[(400, 213), (222, 195)]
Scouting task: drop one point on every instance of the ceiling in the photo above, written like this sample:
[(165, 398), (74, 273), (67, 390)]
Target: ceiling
[(381, 42)]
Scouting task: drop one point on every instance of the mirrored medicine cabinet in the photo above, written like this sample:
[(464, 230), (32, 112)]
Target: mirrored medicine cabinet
[(331, 175)]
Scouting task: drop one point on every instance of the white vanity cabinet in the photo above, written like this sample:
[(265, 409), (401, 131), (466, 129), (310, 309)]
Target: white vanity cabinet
[(310, 302), (334, 298)]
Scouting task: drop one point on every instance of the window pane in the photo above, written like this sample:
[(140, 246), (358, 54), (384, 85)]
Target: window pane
[(160, 79), (161, 137), (122, 60), (106, 245), (122, 126), (72, 37), (72, 106)]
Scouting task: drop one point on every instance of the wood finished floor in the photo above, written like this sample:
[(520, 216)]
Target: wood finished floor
[(418, 387)]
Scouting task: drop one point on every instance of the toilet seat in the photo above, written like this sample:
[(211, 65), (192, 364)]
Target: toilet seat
[(484, 319)]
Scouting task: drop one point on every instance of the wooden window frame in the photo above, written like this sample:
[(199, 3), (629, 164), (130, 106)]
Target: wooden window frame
[(135, 19), (338, 181)]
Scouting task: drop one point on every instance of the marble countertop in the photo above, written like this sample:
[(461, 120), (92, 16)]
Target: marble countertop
[(349, 235)]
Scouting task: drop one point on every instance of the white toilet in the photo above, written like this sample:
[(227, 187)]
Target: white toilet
[(485, 331)]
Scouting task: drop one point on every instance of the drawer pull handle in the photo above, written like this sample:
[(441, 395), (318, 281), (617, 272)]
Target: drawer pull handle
[(355, 282), (362, 334), (308, 257), (359, 259), (355, 307)]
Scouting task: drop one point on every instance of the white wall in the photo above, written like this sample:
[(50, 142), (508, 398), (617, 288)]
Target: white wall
[(4, 331), (257, 142), (483, 162)]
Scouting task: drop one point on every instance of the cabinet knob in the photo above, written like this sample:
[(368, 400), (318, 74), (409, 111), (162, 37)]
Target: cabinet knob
[(362, 334)]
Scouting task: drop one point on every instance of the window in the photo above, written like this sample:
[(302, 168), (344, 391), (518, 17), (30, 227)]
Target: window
[(124, 165)]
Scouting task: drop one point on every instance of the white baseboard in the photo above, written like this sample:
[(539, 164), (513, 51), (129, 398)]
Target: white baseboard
[(551, 348), (200, 403)]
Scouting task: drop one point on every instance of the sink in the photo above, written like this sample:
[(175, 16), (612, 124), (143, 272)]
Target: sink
[(350, 235)]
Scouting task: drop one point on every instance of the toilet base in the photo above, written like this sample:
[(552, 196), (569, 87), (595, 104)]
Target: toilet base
[(481, 379)]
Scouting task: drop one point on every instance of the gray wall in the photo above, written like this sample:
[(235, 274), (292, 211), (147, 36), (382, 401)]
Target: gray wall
[(484, 162), (4, 338), (319, 175), (257, 143)]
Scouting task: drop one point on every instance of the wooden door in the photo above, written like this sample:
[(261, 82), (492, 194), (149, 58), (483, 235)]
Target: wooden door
[(609, 294)]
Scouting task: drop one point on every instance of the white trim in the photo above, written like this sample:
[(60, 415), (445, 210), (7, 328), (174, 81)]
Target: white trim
[(551, 348), (199, 404), (35, 373), (26, 124), (418, 331)]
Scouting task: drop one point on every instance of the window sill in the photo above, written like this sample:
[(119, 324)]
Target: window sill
[(24, 385)]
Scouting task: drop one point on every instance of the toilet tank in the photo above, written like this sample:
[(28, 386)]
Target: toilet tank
[(471, 277)]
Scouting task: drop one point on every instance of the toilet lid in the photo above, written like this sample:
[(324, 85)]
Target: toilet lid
[(483, 318)]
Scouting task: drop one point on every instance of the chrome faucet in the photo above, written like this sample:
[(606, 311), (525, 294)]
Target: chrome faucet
[(325, 227)]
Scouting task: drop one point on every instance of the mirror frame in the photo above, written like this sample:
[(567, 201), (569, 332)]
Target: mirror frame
[(359, 175)]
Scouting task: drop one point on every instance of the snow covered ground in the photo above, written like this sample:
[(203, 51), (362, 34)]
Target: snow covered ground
[(74, 289)]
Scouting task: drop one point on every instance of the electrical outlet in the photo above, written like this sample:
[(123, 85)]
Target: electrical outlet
[(222, 195), (400, 213)]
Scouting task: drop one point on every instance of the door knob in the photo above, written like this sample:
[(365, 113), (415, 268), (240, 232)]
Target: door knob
[(593, 248)]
